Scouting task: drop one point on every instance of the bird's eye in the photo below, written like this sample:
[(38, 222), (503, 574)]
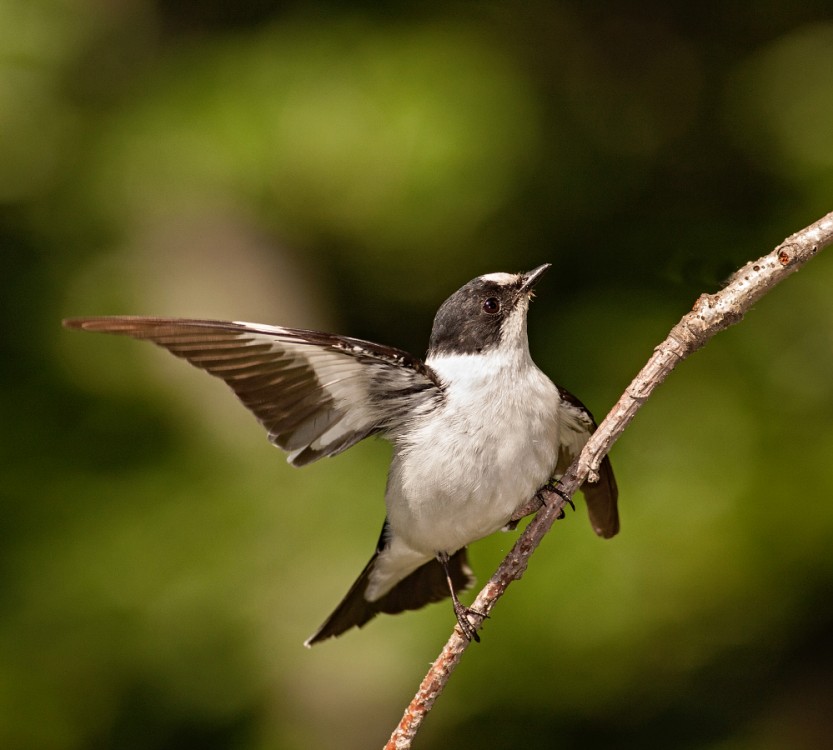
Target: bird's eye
[(491, 306)]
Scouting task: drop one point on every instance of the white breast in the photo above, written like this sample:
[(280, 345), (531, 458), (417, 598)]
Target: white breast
[(459, 475)]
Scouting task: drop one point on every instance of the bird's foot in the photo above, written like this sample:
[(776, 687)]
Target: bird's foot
[(537, 502), (469, 629), (552, 486), (461, 611)]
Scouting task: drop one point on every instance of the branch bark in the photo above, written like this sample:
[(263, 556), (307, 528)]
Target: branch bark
[(711, 314)]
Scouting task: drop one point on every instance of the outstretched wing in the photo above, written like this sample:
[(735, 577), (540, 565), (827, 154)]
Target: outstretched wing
[(577, 424), (315, 393)]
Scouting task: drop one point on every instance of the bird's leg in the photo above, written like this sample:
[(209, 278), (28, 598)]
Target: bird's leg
[(536, 503), (527, 509), (460, 610)]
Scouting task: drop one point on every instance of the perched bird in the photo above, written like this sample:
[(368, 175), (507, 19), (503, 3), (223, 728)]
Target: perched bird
[(477, 429)]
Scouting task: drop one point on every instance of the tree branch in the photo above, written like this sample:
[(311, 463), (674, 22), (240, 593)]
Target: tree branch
[(711, 314)]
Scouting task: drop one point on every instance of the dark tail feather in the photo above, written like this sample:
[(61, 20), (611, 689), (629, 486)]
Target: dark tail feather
[(425, 585), (602, 501)]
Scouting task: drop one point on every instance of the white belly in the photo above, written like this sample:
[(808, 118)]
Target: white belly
[(460, 474)]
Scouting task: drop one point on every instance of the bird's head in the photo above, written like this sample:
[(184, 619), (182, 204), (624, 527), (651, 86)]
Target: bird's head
[(488, 312)]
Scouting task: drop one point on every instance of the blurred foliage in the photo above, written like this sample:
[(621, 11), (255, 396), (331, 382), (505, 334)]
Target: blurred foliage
[(347, 168)]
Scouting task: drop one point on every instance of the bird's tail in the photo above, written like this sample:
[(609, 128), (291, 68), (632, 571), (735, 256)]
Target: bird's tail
[(602, 501), (425, 585)]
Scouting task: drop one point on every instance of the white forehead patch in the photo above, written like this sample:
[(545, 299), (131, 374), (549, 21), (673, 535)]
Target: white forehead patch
[(500, 278)]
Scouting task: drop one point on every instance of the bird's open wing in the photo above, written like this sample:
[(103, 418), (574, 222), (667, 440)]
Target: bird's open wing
[(577, 424), (315, 393)]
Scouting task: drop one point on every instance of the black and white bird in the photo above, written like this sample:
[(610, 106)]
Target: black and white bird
[(477, 429)]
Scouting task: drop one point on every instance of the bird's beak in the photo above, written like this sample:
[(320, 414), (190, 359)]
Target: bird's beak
[(530, 278)]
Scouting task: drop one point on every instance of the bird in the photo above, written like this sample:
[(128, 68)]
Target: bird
[(477, 429)]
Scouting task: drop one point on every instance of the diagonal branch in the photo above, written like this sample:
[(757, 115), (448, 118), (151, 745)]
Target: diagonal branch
[(711, 314)]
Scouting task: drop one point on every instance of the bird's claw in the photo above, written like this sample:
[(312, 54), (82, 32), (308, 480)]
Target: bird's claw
[(469, 630), (552, 486)]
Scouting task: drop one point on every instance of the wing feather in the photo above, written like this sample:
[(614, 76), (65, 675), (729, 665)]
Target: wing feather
[(316, 393)]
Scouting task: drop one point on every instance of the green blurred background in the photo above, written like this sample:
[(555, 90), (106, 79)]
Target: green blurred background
[(346, 168)]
